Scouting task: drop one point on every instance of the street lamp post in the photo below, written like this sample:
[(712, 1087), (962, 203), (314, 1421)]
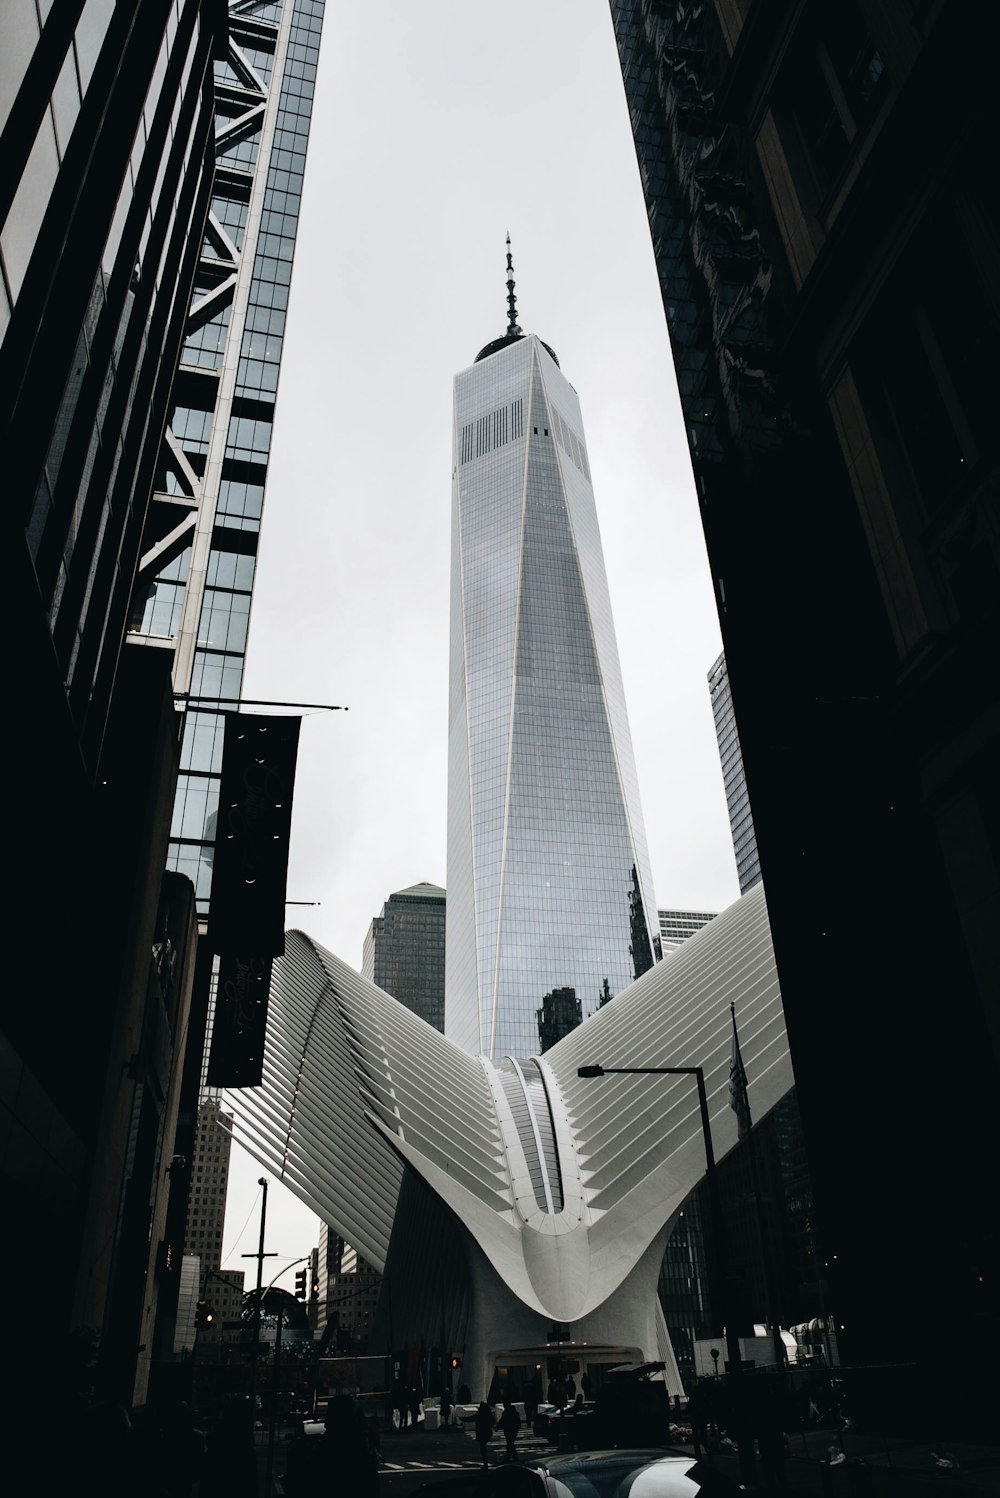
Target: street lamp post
[(717, 1266), (275, 1374), (260, 1256)]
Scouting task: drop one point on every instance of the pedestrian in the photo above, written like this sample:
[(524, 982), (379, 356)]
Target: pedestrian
[(375, 1437), (399, 1404), (230, 1466), (586, 1383), (510, 1424), (446, 1406), (485, 1426), (348, 1457), (414, 1405), (532, 1399)]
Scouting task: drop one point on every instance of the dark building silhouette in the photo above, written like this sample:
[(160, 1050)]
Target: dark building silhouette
[(130, 225), (767, 1209), (107, 119), (404, 950), (560, 1013), (819, 187)]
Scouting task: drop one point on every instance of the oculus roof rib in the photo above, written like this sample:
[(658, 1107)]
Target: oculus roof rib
[(564, 1182)]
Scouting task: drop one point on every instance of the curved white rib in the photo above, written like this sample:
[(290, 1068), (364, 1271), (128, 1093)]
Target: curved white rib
[(355, 1084)]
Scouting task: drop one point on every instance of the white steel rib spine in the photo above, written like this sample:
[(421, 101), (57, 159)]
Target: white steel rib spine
[(355, 1084)]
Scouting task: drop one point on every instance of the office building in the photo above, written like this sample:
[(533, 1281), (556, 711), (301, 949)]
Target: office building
[(818, 181), (209, 1184), (734, 777), (677, 925), (194, 580), (548, 875), (404, 955), (106, 116), (404, 950), (348, 1289)]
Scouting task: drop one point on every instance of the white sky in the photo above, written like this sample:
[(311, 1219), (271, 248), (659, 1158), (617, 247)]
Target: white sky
[(437, 126)]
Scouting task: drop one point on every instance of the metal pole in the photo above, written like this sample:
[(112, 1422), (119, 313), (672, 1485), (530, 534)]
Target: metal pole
[(260, 1256), (268, 1476), (718, 1270)]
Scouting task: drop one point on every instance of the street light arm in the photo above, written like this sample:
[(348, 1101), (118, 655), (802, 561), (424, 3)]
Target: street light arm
[(290, 1265), (643, 1071)]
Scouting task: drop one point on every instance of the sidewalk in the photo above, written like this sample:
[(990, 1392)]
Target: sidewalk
[(873, 1465)]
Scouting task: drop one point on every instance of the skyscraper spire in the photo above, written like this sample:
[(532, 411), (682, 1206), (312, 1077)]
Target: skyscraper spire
[(512, 328)]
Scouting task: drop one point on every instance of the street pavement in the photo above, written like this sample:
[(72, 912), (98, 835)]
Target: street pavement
[(419, 1463)]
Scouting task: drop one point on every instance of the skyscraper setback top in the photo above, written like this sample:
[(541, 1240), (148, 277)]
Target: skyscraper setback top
[(548, 875)]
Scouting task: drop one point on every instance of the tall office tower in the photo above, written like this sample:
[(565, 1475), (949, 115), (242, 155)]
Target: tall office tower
[(196, 573), (404, 950), (677, 925), (348, 1288), (548, 876), (733, 777), (191, 601), (106, 126), (209, 1183), (819, 186)]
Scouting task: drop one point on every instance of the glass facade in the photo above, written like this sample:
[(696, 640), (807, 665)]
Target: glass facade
[(105, 136), (404, 950), (196, 581), (548, 875), (733, 777)]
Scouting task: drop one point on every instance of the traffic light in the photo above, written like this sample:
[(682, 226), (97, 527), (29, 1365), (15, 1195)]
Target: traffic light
[(314, 1289), (204, 1313), (456, 1362), (301, 1276)]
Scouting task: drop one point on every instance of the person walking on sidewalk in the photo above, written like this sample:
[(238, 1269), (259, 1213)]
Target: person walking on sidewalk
[(510, 1424), (485, 1426), (446, 1406)]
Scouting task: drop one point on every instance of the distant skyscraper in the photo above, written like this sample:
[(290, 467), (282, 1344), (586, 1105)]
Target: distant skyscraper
[(404, 950), (548, 875), (677, 925), (733, 778), (209, 1182)]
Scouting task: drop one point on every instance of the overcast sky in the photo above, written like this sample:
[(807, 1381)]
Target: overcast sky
[(438, 126)]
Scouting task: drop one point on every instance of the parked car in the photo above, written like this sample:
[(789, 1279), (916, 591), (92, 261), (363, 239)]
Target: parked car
[(660, 1473)]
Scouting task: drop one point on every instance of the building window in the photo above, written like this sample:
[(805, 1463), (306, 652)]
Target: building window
[(828, 90)]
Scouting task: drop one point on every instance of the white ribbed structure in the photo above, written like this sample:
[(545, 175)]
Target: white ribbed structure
[(564, 1190)]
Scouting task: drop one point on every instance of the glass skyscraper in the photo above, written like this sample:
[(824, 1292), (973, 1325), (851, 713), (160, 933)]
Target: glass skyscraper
[(548, 874), (404, 950), (734, 777), (196, 574)]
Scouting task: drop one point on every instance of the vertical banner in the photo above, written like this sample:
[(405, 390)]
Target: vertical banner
[(247, 906), (236, 1056)]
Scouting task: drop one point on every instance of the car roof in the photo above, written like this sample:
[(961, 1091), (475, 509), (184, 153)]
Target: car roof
[(615, 1455)]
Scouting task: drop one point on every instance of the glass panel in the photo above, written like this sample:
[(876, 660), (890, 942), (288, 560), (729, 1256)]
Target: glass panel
[(20, 232)]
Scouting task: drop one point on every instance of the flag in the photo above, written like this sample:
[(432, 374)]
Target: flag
[(739, 1101)]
